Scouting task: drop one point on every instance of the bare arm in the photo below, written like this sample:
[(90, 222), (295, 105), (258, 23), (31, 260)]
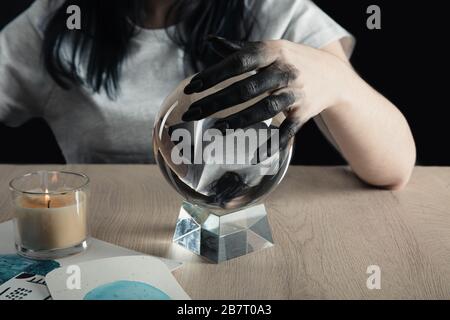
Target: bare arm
[(371, 132), (303, 82)]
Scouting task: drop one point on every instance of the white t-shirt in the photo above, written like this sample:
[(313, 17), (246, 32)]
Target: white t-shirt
[(89, 127)]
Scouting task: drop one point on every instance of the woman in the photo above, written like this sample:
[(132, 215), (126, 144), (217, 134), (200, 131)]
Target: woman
[(100, 87)]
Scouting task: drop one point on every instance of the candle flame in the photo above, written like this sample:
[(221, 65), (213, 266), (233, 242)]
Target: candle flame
[(47, 198)]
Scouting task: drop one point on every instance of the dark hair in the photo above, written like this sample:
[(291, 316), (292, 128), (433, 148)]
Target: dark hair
[(103, 42)]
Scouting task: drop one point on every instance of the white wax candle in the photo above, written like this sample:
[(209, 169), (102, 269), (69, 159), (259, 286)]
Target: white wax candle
[(47, 222)]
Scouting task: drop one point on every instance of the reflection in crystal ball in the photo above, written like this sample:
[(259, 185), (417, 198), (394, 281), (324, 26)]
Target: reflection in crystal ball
[(215, 170)]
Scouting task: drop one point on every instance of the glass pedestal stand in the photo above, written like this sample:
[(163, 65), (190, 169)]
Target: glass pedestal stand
[(220, 238)]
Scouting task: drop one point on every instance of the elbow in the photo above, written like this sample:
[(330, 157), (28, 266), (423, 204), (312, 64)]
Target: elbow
[(392, 182), (404, 172), (402, 167), (399, 184), (392, 176)]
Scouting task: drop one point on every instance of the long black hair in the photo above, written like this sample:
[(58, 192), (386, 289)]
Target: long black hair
[(108, 26)]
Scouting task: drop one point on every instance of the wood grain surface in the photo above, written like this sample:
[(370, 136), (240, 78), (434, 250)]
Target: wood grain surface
[(328, 228)]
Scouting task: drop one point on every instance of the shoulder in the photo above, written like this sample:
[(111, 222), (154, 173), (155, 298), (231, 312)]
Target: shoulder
[(300, 21), (275, 17), (272, 10), (269, 6), (41, 11), (26, 31)]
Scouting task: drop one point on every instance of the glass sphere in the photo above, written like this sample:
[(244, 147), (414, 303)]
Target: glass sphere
[(212, 169)]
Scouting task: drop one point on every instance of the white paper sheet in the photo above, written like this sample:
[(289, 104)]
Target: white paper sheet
[(98, 249), (120, 278)]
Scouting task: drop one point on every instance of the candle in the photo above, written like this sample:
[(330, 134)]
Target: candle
[(48, 222), (50, 214)]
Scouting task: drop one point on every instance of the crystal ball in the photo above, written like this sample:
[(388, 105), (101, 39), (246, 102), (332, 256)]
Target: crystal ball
[(221, 171)]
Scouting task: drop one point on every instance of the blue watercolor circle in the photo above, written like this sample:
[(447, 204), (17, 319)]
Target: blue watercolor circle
[(126, 290)]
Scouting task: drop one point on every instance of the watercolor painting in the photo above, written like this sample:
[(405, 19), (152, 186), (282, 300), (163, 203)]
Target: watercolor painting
[(12, 264), (118, 278), (126, 290)]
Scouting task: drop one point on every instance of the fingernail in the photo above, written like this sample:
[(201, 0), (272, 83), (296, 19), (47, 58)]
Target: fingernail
[(194, 86), (222, 126), (191, 114)]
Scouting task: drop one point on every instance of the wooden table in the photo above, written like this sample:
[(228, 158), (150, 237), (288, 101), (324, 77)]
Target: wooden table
[(327, 225)]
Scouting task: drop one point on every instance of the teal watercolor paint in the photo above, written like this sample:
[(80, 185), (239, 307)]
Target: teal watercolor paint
[(12, 264), (126, 290)]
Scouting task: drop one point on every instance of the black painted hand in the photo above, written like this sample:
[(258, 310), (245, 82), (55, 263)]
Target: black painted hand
[(298, 80)]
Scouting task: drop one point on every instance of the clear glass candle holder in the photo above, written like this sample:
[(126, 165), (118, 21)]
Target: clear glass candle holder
[(50, 214)]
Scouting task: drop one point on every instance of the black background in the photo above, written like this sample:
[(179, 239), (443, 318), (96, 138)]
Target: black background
[(406, 61)]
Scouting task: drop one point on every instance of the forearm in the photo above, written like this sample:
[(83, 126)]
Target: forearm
[(372, 135), (302, 82)]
